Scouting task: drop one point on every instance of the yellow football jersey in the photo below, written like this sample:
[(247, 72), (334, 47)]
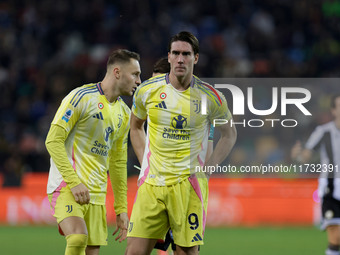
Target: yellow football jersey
[(177, 133), (96, 129)]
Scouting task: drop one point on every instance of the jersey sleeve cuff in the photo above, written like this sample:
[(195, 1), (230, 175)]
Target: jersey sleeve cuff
[(73, 184), (139, 115), (123, 210)]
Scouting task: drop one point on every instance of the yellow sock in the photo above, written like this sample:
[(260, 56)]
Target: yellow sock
[(76, 244)]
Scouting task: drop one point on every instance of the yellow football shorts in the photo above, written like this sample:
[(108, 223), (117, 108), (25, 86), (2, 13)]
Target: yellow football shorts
[(63, 205), (182, 207)]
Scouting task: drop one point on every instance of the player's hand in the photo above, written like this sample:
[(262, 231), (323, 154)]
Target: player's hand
[(122, 226), (296, 151), (81, 194)]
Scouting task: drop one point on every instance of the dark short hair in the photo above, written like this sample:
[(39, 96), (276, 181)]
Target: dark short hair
[(186, 37), (122, 56), (162, 66), (333, 99)]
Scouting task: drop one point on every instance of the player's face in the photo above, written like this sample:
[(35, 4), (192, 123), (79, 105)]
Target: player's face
[(130, 77), (336, 110), (182, 59)]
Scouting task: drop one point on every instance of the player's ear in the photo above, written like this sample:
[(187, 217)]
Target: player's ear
[(116, 72), (196, 58)]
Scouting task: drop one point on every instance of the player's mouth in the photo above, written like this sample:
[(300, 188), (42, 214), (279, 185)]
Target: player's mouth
[(180, 68)]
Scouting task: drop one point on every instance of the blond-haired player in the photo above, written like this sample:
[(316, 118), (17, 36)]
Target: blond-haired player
[(87, 139)]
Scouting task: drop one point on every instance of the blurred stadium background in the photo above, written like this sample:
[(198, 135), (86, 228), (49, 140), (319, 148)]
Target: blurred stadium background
[(49, 47)]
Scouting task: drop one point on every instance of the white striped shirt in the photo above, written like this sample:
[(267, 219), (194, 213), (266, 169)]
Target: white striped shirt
[(326, 138)]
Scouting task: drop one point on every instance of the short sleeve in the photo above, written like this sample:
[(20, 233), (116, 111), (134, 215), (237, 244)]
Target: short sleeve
[(219, 108), (315, 139), (138, 105)]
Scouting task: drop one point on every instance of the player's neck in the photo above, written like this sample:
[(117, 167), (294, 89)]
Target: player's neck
[(109, 90), (180, 83)]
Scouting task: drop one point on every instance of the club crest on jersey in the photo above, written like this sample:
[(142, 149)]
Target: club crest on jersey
[(67, 115), (179, 122), (197, 104), (120, 120), (162, 95), (108, 131), (100, 106)]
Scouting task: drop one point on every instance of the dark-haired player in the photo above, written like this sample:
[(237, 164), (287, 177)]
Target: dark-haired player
[(171, 194)]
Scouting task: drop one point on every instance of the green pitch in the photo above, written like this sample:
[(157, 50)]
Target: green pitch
[(235, 241)]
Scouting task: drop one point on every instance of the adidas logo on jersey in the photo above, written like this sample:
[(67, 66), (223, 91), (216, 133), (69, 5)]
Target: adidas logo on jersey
[(98, 116), (196, 238), (161, 105)]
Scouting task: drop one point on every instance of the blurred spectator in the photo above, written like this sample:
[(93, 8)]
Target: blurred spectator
[(12, 170), (49, 47)]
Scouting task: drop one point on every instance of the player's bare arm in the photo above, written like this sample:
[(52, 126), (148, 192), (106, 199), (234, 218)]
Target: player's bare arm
[(224, 145), (137, 134)]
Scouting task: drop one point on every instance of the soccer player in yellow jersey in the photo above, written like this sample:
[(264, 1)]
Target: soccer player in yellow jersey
[(162, 66), (87, 139), (171, 192)]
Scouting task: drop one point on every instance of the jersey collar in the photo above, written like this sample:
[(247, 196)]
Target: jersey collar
[(191, 83), (99, 87)]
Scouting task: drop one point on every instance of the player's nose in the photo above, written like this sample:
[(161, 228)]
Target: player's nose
[(138, 80), (180, 58)]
